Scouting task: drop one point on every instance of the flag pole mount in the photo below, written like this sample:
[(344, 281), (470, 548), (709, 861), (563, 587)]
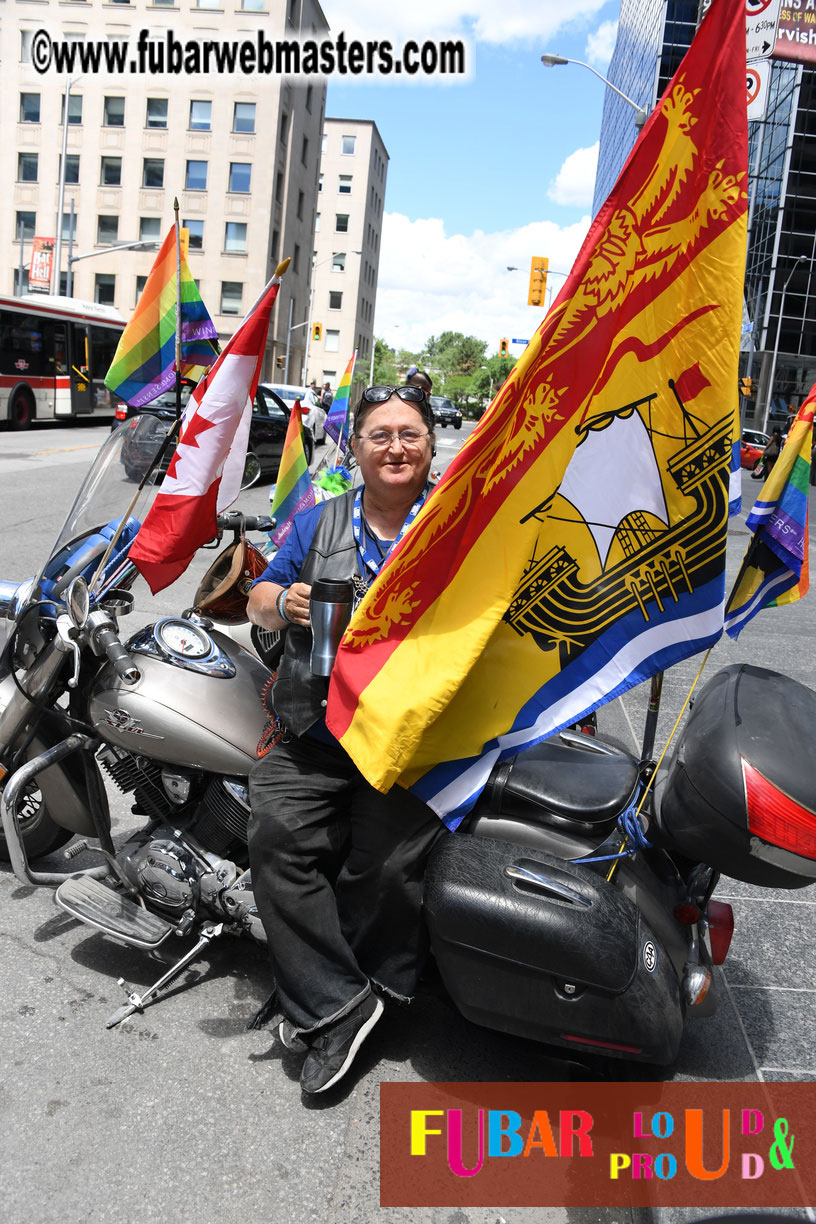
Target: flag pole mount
[(282, 266)]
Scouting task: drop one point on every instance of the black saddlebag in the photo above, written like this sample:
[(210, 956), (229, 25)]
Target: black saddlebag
[(740, 792), (532, 945)]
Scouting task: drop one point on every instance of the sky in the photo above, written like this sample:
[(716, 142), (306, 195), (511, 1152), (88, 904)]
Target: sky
[(483, 173)]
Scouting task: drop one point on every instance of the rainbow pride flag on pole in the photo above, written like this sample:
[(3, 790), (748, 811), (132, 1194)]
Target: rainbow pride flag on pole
[(336, 424), (293, 491), (143, 365), (775, 568), (576, 544)]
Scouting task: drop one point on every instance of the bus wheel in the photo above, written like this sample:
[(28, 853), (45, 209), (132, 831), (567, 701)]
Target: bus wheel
[(21, 411)]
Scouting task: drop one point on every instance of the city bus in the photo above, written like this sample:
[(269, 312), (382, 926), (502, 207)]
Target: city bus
[(54, 355)]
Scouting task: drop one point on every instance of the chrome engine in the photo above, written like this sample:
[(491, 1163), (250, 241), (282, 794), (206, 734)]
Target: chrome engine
[(178, 863)]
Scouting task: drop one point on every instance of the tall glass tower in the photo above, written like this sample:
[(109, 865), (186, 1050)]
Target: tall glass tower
[(653, 36)]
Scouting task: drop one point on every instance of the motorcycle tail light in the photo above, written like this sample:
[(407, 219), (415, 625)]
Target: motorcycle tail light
[(720, 929), (776, 818), (688, 913)]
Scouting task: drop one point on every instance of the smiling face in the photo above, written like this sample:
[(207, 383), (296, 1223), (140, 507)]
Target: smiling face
[(396, 467)]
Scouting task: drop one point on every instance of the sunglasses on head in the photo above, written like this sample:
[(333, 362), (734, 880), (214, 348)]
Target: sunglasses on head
[(378, 395)]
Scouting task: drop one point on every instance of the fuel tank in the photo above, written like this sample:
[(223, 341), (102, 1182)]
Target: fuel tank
[(200, 713)]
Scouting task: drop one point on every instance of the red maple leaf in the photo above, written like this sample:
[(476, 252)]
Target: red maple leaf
[(196, 426)]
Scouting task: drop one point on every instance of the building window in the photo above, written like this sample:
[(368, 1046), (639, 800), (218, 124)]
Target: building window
[(74, 109), (252, 6), (29, 108), (341, 221), (243, 117), (317, 223), (339, 261), (320, 183), (304, 151), (71, 167), (301, 198), (235, 237), (28, 220), (68, 232), (324, 142), (164, 3), (275, 244), (196, 229), (309, 98), (153, 172), (208, 4), (335, 300), (231, 294), (240, 176), (156, 113), (332, 344), (104, 288), (200, 116), (26, 39), (296, 260), (114, 112), (141, 281), (149, 229), (347, 144), (110, 174), (344, 184), (27, 167), (196, 177), (107, 229), (18, 288)]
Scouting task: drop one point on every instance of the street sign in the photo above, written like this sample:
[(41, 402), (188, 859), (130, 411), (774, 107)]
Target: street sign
[(519, 341), (761, 20), (757, 79)]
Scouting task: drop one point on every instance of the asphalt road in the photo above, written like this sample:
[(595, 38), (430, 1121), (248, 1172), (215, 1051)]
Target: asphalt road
[(181, 1113)]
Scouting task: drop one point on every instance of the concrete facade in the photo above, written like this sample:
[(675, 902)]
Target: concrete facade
[(353, 172), (240, 152)]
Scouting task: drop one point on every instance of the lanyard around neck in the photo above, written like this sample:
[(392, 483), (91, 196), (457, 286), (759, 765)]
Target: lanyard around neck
[(370, 559)]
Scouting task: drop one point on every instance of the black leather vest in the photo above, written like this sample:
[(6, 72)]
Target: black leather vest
[(298, 697)]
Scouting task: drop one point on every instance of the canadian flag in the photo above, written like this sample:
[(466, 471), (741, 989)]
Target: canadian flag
[(204, 476)]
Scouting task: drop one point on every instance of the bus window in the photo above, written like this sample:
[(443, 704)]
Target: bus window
[(60, 352)]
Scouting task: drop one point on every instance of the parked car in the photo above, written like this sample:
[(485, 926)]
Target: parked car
[(755, 437), (267, 432), (749, 454), (445, 412), (313, 417)]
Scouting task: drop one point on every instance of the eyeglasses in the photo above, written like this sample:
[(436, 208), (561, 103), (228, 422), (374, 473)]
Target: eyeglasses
[(381, 438), (378, 395)]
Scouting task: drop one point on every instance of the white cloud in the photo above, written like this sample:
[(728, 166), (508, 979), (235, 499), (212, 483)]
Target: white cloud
[(483, 20), (575, 182), (431, 281), (601, 44)]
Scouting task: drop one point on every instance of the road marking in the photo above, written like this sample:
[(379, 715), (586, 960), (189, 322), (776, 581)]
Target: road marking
[(58, 450)]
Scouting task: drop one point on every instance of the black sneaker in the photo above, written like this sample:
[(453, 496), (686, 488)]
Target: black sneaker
[(291, 1038), (332, 1051)]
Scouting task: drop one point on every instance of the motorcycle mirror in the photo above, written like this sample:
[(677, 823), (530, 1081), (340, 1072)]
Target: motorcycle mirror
[(252, 471), (78, 602)]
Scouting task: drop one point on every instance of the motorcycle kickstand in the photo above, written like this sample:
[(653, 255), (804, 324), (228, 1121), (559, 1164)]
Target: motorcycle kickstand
[(138, 1002)]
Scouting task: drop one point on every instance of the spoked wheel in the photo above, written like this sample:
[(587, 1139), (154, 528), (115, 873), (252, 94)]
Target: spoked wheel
[(40, 834)]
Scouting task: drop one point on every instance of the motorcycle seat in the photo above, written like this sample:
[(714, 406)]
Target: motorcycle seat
[(569, 780)]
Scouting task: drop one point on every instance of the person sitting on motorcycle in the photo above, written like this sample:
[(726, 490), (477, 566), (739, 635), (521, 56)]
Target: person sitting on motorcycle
[(337, 867)]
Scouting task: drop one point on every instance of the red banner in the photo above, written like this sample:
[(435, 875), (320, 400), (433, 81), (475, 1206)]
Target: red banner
[(647, 1144), (42, 259)]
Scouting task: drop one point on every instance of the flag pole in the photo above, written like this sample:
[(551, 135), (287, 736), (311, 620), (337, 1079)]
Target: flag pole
[(178, 308)]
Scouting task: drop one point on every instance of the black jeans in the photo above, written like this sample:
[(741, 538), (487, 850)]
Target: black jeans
[(337, 873)]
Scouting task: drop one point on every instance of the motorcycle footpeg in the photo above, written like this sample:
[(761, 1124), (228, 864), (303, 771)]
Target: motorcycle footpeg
[(100, 906)]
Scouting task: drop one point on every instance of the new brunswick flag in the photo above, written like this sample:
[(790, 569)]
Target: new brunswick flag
[(576, 544), (775, 568)]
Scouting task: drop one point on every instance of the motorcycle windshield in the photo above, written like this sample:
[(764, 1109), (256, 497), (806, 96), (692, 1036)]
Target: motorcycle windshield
[(109, 493)]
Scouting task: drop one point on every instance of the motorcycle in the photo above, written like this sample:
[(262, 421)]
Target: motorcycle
[(575, 905)]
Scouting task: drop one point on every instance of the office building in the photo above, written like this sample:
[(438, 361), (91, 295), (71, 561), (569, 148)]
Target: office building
[(353, 171), (653, 36), (241, 152)]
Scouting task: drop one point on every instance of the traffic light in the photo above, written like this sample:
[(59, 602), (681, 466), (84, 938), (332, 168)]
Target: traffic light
[(538, 280), (280, 361), (503, 349), (747, 387), (317, 331)]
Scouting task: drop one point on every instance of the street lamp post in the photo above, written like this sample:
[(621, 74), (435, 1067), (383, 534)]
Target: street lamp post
[(553, 61), (769, 396), (319, 264), (143, 244), (61, 189)]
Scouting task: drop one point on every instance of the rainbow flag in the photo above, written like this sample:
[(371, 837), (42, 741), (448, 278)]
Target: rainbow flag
[(576, 545), (144, 363), (775, 567), (293, 491), (336, 424)]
